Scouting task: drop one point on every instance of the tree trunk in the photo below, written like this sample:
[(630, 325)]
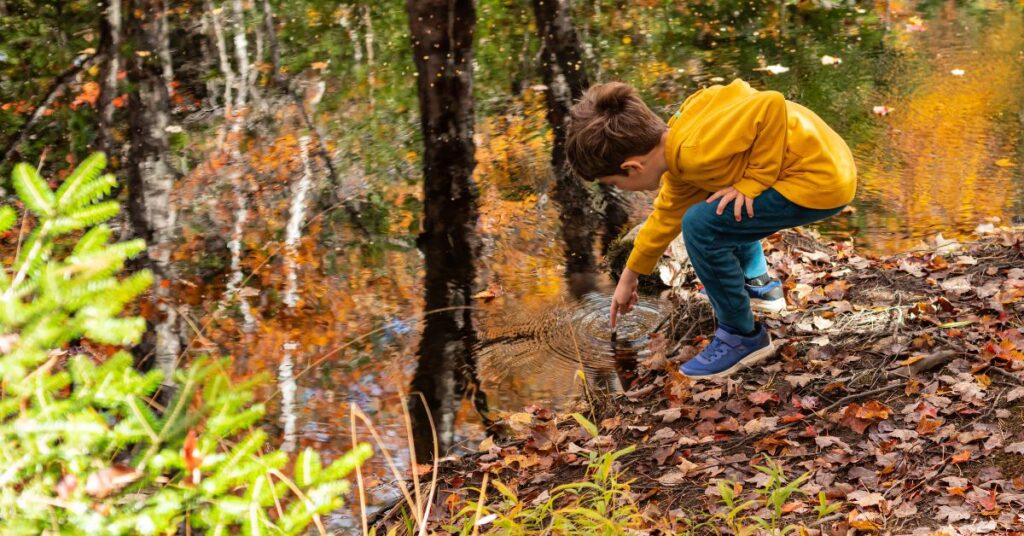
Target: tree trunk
[(296, 218), (150, 175), (275, 52), (110, 45), (164, 47), (442, 37), (368, 22), (222, 55), (616, 217), (241, 54), (288, 386), (566, 79)]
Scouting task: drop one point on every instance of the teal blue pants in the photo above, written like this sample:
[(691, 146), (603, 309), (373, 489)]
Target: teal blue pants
[(724, 252)]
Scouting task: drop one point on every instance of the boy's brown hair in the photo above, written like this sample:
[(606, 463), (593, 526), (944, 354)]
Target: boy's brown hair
[(609, 124)]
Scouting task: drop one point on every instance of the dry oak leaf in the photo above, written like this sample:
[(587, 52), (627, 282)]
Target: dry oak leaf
[(710, 394), (661, 454), (1014, 448), (109, 480), (687, 467), (672, 478), (905, 510), (760, 424), (862, 520), (664, 433), (668, 415), (952, 514), (793, 506), (762, 397), (960, 457), (858, 417), (865, 499), (193, 458), (928, 426), (873, 410)]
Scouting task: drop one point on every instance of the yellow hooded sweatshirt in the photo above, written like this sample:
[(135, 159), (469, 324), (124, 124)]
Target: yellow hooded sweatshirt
[(752, 140)]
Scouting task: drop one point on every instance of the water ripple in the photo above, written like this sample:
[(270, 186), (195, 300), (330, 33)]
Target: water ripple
[(570, 336)]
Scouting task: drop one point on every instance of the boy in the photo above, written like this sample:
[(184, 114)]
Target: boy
[(734, 165)]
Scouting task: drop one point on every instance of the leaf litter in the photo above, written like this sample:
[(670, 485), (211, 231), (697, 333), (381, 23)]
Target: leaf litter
[(898, 388)]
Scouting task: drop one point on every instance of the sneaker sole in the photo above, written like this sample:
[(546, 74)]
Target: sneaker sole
[(769, 306), (752, 359)]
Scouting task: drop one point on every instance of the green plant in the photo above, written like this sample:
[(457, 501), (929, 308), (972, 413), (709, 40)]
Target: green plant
[(774, 495), (85, 448), (597, 504)]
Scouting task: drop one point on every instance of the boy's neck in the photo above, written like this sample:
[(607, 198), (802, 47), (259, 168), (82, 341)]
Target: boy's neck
[(658, 154)]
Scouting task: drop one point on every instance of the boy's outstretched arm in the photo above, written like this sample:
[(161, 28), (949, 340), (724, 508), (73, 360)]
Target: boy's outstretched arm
[(625, 296), (661, 227)]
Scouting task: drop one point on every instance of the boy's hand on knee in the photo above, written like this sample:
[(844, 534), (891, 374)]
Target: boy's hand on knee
[(730, 194), (625, 296)]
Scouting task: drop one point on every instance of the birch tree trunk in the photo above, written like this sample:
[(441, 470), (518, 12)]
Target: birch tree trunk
[(213, 15), (353, 35), (368, 22), (288, 386), (241, 54), (236, 120), (293, 232), (164, 47), (442, 37), (150, 175), (229, 135)]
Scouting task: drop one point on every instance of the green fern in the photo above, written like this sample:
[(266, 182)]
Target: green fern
[(85, 217), (83, 175), (32, 190), (7, 218), (92, 240), (62, 421), (90, 193)]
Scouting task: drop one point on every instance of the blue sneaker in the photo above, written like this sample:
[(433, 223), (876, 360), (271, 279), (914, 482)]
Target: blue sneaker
[(768, 297), (728, 353)]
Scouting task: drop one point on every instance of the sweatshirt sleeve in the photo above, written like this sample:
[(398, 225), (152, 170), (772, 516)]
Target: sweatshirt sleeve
[(663, 225), (760, 126)]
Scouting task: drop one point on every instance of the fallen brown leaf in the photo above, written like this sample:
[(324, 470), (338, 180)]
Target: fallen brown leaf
[(108, 480)]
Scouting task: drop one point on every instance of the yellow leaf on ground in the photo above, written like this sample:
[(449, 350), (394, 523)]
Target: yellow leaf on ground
[(911, 360), (961, 456), (859, 521)]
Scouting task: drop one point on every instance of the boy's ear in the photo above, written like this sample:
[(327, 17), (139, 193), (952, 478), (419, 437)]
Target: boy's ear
[(631, 165)]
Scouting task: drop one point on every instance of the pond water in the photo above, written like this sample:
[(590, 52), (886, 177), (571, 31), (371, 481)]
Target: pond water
[(930, 97)]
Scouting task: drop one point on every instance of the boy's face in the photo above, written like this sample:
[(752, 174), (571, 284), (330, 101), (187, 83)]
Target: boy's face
[(636, 176)]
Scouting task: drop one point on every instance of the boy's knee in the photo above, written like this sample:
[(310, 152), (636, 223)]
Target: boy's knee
[(698, 223)]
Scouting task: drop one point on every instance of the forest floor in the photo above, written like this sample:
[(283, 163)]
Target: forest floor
[(898, 390)]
